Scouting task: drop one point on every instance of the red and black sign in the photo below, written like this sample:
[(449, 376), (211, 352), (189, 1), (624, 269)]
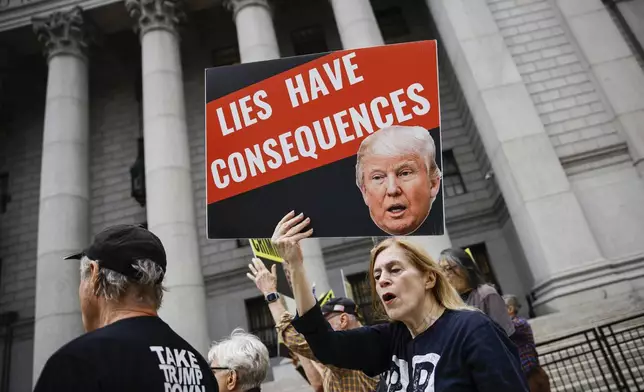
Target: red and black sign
[(349, 138)]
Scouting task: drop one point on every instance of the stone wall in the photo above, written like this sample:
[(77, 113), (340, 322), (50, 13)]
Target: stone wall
[(556, 76), (115, 126), (20, 158)]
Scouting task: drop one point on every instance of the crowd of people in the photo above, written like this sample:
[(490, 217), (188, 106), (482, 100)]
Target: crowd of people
[(445, 328)]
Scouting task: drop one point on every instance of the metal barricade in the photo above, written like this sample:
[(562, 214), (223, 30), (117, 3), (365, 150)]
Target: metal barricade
[(608, 357)]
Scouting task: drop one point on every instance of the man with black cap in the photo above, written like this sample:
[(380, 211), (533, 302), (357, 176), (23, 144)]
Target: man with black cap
[(340, 312), (127, 346)]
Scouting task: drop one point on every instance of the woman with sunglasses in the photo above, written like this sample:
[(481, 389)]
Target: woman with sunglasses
[(433, 342)]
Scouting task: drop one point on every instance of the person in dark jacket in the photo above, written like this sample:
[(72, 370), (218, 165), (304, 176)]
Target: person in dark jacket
[(433, 342)]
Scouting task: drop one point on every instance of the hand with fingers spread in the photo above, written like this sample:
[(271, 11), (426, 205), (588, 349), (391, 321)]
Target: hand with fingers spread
[(265, 280), (287, 236)]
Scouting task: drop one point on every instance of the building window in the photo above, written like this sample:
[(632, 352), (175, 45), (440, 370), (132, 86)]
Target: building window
[(362, 296), (5, 198), (226, 56), (309, 40), (392, 25), (261, 323), (479, 253), (452, 180)]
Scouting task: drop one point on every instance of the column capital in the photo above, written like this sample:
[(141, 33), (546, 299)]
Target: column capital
[(156, 14), (237, 5), (64, 32)]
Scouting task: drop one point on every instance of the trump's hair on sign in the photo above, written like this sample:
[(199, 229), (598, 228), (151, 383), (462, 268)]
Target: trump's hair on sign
[(398, 140)]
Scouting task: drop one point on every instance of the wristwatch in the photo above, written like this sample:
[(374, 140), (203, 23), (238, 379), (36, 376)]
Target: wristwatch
[(272, 297)]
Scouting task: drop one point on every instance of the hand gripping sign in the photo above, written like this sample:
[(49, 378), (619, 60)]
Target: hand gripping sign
[(350, 138)]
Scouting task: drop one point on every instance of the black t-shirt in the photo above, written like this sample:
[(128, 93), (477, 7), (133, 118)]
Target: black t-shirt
[(134, 354), (463, 351)]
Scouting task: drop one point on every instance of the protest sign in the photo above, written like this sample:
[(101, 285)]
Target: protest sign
[(324, 298), (264, 250), (349, 138)]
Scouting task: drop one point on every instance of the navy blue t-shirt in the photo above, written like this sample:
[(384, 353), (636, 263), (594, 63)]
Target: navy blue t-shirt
[(462, 351)]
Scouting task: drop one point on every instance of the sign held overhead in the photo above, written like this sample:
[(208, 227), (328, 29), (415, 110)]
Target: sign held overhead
[(350, 138)]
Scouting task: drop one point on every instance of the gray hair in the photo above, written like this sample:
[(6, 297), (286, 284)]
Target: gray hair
[(245, 354), (114, 286), (460, 258), (512, 300), (399, 139)]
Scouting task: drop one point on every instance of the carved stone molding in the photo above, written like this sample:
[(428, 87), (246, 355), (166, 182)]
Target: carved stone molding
[(237, 5), (64, 32), (156, 14)]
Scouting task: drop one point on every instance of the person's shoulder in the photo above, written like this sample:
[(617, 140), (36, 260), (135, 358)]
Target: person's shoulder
[(78, 347), (477, 323), (486, 290), (69, 368), (123, 332), (390, 328), (520, 321), (468, 319), (521, 325), (77, 352)]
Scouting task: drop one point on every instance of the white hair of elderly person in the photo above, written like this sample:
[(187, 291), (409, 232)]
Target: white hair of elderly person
[(240, 362), (398, 176)]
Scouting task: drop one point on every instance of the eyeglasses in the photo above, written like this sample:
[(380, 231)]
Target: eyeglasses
[(448, 268), (215, 368)]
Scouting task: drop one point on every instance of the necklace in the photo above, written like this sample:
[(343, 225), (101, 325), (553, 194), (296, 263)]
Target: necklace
[(428, 321)]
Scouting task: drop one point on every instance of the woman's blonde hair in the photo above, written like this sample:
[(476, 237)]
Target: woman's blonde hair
[(443, 292)]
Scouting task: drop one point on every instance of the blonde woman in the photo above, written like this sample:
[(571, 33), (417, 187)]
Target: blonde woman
[(433, 342)]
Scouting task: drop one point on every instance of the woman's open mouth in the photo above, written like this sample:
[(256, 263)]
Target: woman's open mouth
[(388, 298)]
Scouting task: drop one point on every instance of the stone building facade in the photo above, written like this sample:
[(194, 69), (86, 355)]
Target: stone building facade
[(542, 108)]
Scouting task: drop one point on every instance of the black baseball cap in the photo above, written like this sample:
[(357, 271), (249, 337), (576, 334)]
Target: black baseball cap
[(339, 305), (118, 247)]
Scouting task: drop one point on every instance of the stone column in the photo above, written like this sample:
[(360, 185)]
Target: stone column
[(63, 220), (553, 230), (356, 23), (255, 31), (170, 202), (434, 245), (315, 265), (258, 42), (614, 66)]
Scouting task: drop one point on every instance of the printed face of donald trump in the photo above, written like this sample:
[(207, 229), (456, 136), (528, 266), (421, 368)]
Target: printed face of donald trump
[(398, 177)]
